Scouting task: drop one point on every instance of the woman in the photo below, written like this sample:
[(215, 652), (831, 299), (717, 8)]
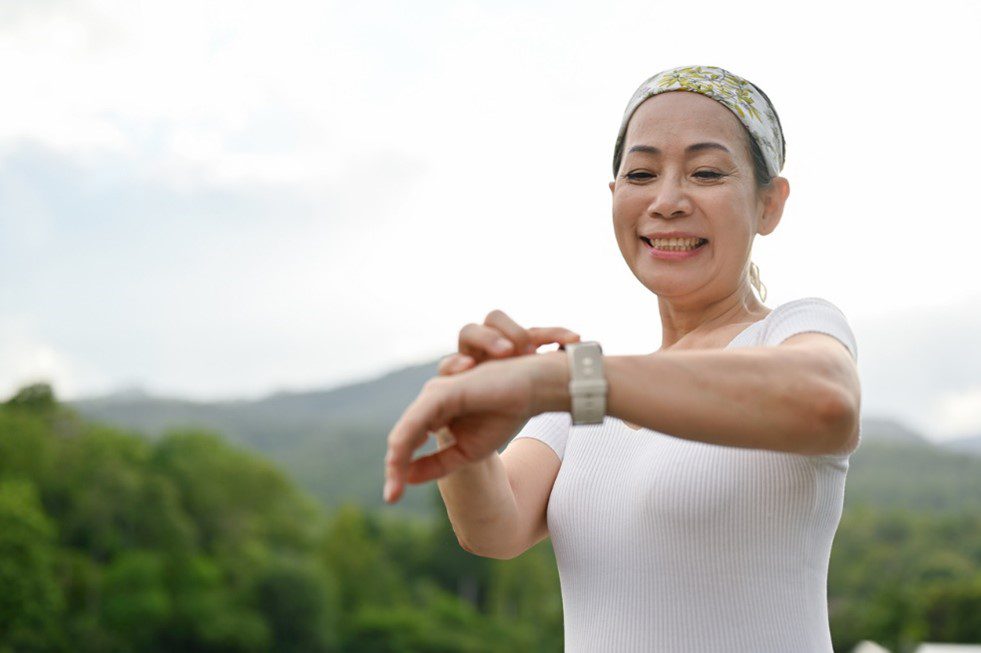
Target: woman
[(699, 516)]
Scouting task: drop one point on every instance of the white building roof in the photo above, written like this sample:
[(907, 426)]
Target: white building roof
[(866, 646)]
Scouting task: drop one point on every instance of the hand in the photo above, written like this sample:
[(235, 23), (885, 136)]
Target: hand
[(477, 342), (482, 407)]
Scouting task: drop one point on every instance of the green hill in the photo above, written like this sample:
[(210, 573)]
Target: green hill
[(333, 443)]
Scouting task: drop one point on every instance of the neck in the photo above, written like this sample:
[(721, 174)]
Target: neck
[(684, 321)]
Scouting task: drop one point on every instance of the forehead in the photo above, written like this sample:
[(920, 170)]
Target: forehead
[(678, 116)]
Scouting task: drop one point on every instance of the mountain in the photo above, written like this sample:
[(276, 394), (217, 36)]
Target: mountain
[(875, 428), (970, 444), (333, 441)]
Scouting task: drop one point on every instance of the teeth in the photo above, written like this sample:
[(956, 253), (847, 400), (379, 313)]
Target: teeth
[(675, 243)]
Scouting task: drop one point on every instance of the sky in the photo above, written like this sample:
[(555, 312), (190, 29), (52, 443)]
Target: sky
[(218, 200)]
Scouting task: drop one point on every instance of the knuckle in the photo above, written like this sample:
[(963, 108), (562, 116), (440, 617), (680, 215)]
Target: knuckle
[(467, 334)]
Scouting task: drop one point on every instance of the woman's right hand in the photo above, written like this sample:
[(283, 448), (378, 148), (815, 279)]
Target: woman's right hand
[(479, 342)]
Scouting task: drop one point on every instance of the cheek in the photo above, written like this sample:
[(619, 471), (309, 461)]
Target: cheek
[(629, 207), (623, 214), (731, 216)]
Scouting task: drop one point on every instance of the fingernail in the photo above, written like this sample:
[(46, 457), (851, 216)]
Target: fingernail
[(501, 345)]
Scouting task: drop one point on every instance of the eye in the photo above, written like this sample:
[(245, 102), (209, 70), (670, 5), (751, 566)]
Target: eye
[(638, 175), (708, 174)]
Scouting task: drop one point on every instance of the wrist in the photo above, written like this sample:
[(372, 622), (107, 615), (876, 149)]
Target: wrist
[(550, 382)]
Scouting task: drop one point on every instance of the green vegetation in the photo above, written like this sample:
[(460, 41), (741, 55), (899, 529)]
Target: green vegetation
[(113, 542), (110, 542)]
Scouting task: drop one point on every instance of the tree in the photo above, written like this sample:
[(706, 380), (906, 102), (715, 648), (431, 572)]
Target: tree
[(30, 599)]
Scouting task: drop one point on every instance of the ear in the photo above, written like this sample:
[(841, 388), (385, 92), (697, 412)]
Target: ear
[(774, 199), (613, 184)]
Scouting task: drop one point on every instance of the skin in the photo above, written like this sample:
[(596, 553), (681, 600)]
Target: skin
[(706, 300)]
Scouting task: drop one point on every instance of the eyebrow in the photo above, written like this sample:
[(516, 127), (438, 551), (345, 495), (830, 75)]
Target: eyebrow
[(695, 147)]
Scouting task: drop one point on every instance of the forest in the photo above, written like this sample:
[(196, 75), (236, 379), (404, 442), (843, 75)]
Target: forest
[(112, 541)]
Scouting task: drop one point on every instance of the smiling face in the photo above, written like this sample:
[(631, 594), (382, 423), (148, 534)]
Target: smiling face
[(687, 167)]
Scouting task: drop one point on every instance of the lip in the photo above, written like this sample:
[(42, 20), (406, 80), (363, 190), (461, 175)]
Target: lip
[(673, 256), (672, 234)]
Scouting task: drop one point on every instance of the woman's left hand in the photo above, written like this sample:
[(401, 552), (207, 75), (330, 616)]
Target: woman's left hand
[(482, 407)]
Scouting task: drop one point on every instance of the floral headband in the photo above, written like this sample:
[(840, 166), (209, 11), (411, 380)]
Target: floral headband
[(743, 98)]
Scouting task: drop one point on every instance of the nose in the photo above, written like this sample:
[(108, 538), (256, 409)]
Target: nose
[(670, 200)]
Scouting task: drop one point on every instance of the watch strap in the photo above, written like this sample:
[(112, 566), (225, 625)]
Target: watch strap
[(587, 382)]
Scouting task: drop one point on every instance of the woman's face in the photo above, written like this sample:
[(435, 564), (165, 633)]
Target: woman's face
[(670, 180)]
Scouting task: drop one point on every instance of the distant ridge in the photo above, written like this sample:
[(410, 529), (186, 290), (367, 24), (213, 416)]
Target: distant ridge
[(877, 428), (970, 444), (333, 441)]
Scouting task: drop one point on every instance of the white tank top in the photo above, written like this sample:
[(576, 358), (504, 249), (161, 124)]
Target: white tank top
[(672, 545)]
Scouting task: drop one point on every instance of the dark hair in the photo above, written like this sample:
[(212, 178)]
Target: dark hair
[(760, 171)]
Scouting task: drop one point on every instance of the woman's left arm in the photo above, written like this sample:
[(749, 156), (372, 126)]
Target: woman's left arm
[(801, 396)]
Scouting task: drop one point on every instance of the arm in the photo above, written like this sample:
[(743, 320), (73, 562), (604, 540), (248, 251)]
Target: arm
[(479, 503), (800, 396), (497, 506)]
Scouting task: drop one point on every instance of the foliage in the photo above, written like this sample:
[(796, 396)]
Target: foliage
[(112, 542)]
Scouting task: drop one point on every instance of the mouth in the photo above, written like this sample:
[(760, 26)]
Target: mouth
[(676, 244)]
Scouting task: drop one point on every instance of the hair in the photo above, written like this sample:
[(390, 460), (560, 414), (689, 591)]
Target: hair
[(763, 181)]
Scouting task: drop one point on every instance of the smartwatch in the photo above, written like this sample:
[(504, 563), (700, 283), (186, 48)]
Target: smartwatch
[(587, 382)]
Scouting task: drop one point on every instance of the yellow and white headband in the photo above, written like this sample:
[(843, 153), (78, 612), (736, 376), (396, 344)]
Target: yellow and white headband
[(746, 101)]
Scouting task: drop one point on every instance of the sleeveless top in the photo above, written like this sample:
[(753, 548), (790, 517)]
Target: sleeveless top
[(668, 544)]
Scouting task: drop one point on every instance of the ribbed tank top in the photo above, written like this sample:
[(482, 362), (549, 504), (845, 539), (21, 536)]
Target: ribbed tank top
[(671, 545)]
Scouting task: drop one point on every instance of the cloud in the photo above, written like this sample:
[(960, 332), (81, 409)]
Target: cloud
[(25, 358), (922, 365), (183, 288), (960, 412)]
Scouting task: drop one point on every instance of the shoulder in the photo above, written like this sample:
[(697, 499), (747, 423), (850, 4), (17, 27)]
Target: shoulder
[(809, 315), (551, 428), (817, 304)]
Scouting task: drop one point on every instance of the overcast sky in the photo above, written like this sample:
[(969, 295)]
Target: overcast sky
[(223, 199)]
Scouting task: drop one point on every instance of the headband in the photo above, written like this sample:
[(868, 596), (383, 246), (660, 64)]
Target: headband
[(742, 97)]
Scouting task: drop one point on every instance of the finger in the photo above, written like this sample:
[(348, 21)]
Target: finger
[(546, 335), (482, 342), (508, 329), (463, 363), (431, 410), (453, 364), (445, 364), (435, 465)]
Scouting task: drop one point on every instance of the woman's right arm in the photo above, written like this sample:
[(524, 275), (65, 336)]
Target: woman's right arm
[(497, 506)]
